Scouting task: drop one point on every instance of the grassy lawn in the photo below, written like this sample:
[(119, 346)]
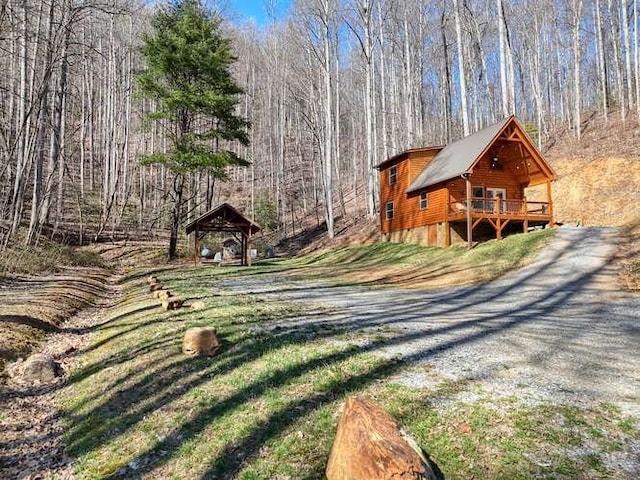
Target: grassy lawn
[(267, 406), (416, 266)]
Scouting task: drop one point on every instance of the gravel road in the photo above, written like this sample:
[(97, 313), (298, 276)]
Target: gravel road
[(557, 330)]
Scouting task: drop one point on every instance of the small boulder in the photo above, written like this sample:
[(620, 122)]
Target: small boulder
[(200, 341), (172, 303), (197, 305), (36, 369)]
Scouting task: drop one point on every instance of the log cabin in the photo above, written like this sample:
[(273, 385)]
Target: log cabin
[(471, 190)]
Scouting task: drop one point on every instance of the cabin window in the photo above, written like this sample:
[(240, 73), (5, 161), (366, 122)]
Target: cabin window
[(393, 174), (389, 210), (478, 192), (424, 201), (478, 203)]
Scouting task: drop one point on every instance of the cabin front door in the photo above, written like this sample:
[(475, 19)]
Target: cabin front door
[(499, 195)]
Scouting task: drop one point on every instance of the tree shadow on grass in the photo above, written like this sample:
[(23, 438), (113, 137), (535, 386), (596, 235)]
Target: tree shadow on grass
[(169, 381)]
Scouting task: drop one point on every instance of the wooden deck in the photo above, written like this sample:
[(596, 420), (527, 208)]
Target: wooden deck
[(499, 213)]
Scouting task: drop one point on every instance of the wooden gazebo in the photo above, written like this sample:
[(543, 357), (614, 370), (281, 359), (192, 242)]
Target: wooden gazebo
[(224, 218)]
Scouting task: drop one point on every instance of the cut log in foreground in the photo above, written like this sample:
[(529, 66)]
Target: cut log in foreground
[(152, 279), (200, 341), (369, 445), (155, 286)]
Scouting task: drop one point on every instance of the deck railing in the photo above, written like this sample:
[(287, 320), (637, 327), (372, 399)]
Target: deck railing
[(496, 206)]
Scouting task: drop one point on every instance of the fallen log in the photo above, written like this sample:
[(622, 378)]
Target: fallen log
[(155, 286), (369, 445)]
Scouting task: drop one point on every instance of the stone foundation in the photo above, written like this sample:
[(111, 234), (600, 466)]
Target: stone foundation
[(429, 236)]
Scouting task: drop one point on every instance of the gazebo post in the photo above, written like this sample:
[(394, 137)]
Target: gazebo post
[(248, 248), (243, 246), (196, 246)]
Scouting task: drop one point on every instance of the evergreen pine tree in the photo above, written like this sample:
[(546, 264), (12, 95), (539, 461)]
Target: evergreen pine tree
[(188, 75)]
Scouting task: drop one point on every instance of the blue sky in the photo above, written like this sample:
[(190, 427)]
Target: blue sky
[(257, 9)]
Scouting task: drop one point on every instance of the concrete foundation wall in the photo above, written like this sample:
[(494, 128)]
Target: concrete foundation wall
[(419, 236), (456, 237), (430, 235)]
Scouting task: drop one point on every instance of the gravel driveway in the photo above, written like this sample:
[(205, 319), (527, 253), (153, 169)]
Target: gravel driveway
[(557, 330)]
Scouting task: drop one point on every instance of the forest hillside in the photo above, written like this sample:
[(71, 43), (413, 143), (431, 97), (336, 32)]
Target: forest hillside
[(326, 91)]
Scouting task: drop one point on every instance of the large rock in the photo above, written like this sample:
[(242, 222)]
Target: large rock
[(200, 341), (369, 445), (38, 368)]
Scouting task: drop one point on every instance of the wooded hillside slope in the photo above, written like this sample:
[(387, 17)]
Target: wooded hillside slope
[(331, 89)]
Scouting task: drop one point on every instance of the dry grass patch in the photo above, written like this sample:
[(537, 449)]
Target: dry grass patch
[(31, 307)]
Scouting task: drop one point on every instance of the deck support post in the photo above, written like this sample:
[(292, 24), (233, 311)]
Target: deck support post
[(447, 234), (469, 226), (499, 219), (550, 202)]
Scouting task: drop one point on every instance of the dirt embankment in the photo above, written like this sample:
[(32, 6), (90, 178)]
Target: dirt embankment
[(599, 175), (32, 307), (595, 192)]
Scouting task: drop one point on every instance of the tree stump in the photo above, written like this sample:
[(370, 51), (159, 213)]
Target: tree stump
[(162, 294), (172, 303), (155, 286), (369, 445), (200, 341)]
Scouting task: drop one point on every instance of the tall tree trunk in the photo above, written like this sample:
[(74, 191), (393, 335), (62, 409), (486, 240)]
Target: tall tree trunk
[(502, 42), (328, 118), (57, 130), (624, 13), (176, 219), (602, 74), (577, 13), (447, 78), (461, 71)]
